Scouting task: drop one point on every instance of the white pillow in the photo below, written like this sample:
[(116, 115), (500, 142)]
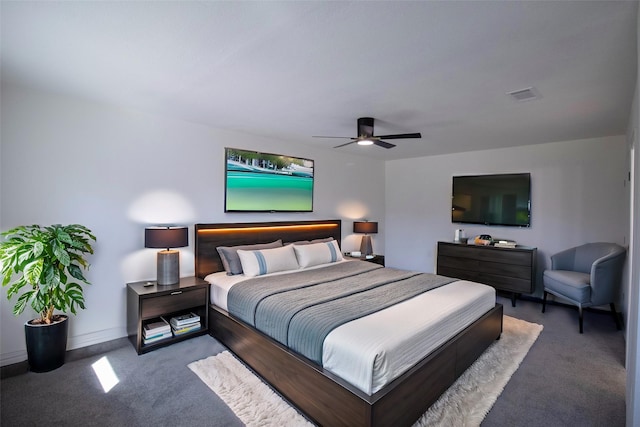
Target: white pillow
[(259, 262), (317, 253)]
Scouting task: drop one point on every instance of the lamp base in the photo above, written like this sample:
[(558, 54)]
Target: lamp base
[(365, 245), (168, 267)]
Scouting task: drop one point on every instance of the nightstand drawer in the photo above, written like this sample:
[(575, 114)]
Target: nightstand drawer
[(171, 302)]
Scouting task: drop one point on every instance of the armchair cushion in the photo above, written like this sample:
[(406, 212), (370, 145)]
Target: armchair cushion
[(570, 284)]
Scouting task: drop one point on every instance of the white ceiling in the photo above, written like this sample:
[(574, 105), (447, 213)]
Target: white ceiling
[(294, 69)]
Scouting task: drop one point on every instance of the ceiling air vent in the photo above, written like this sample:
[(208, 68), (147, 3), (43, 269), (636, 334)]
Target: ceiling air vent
[(526, 94)]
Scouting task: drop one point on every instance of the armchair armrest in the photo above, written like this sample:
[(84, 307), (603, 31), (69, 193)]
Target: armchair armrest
[(606, 275)]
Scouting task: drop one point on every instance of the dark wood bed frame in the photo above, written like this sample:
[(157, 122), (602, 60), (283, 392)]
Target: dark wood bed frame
[(322, 396)]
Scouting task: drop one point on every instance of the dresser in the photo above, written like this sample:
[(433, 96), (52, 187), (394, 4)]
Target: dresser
[(506, 269)]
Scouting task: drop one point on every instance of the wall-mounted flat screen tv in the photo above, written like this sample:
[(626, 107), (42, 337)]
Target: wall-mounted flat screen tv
[(264, 182), (503, 199)]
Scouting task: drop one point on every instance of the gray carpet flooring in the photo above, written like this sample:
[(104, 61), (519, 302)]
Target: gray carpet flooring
[(566, 379)]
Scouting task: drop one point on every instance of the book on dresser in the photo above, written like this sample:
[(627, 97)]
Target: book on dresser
[(505, 244)]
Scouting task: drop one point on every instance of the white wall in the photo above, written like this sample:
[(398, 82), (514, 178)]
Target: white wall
[(578, 195), (632, 361), (633, 301), (65, 160)]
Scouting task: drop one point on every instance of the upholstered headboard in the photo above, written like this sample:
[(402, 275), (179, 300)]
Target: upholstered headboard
[(210, 236)]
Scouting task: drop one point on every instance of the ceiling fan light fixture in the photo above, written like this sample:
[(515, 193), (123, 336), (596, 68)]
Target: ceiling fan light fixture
[(365, 142)]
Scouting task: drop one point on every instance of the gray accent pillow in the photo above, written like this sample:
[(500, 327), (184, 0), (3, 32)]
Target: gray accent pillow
[(231, 260)]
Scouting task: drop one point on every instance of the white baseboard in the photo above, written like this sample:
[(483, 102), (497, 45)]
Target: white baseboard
[(98, 337), (85, 340), (13, 357)]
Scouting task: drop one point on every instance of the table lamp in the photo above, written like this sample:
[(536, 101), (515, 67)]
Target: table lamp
[(168, 260), (367, 228)]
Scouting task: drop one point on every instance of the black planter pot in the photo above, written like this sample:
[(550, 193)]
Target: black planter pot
[(46, 345)]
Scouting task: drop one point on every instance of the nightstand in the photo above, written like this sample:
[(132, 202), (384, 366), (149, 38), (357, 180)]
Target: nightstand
[(147, 302), (377, 259)]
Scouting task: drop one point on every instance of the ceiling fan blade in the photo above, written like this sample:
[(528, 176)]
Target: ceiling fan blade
[(401, 136), (346, 143), (383, 144)]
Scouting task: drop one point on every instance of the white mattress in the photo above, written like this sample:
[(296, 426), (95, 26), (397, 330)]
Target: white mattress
[(372, 351)]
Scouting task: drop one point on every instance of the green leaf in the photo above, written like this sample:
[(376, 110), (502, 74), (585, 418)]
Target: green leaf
[(6, 279), (33, 270), (50, 275), (76, 272), (61, 254), (38, 248), (74, 292), (25, 254), (60, 299), (15, 287), (39, 300), (63, 236), (22, 303)]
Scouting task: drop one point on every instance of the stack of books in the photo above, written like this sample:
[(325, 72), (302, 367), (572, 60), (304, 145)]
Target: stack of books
[(185, 323), (156, 331), (505, 244)]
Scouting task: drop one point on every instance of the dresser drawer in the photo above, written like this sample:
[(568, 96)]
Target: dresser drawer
[(174, 301), (476, 265), (487, 254)]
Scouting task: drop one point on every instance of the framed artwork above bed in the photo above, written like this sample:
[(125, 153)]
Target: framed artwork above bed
[(265, 182)]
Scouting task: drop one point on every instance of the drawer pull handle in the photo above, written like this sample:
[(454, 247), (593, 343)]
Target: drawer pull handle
[(176, 293)]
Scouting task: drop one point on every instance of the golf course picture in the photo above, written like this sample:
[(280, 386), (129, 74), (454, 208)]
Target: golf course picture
[(263, 182)]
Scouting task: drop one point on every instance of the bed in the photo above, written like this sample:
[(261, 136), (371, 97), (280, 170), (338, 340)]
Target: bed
[(324, 396)]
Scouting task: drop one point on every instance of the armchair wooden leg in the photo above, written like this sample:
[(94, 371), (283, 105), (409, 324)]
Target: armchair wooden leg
[(580, 317), (544, 301), (616, 317)]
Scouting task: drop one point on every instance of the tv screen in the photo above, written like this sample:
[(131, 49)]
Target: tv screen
[(264, 182), (492, 199)]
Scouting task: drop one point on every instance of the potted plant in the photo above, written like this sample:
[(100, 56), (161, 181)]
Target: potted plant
[(44, 266)]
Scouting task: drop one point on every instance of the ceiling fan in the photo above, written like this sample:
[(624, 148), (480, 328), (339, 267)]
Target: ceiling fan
[(366, 136)]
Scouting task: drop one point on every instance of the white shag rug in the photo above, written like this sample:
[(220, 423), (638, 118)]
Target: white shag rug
[(465, 403)]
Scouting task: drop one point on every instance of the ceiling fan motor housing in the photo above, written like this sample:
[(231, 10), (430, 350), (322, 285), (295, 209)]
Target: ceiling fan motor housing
[(365, 126)]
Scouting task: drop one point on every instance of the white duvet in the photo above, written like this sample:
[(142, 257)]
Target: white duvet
[(372, 351)]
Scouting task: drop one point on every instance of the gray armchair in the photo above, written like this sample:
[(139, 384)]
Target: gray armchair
[(586, 276)]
